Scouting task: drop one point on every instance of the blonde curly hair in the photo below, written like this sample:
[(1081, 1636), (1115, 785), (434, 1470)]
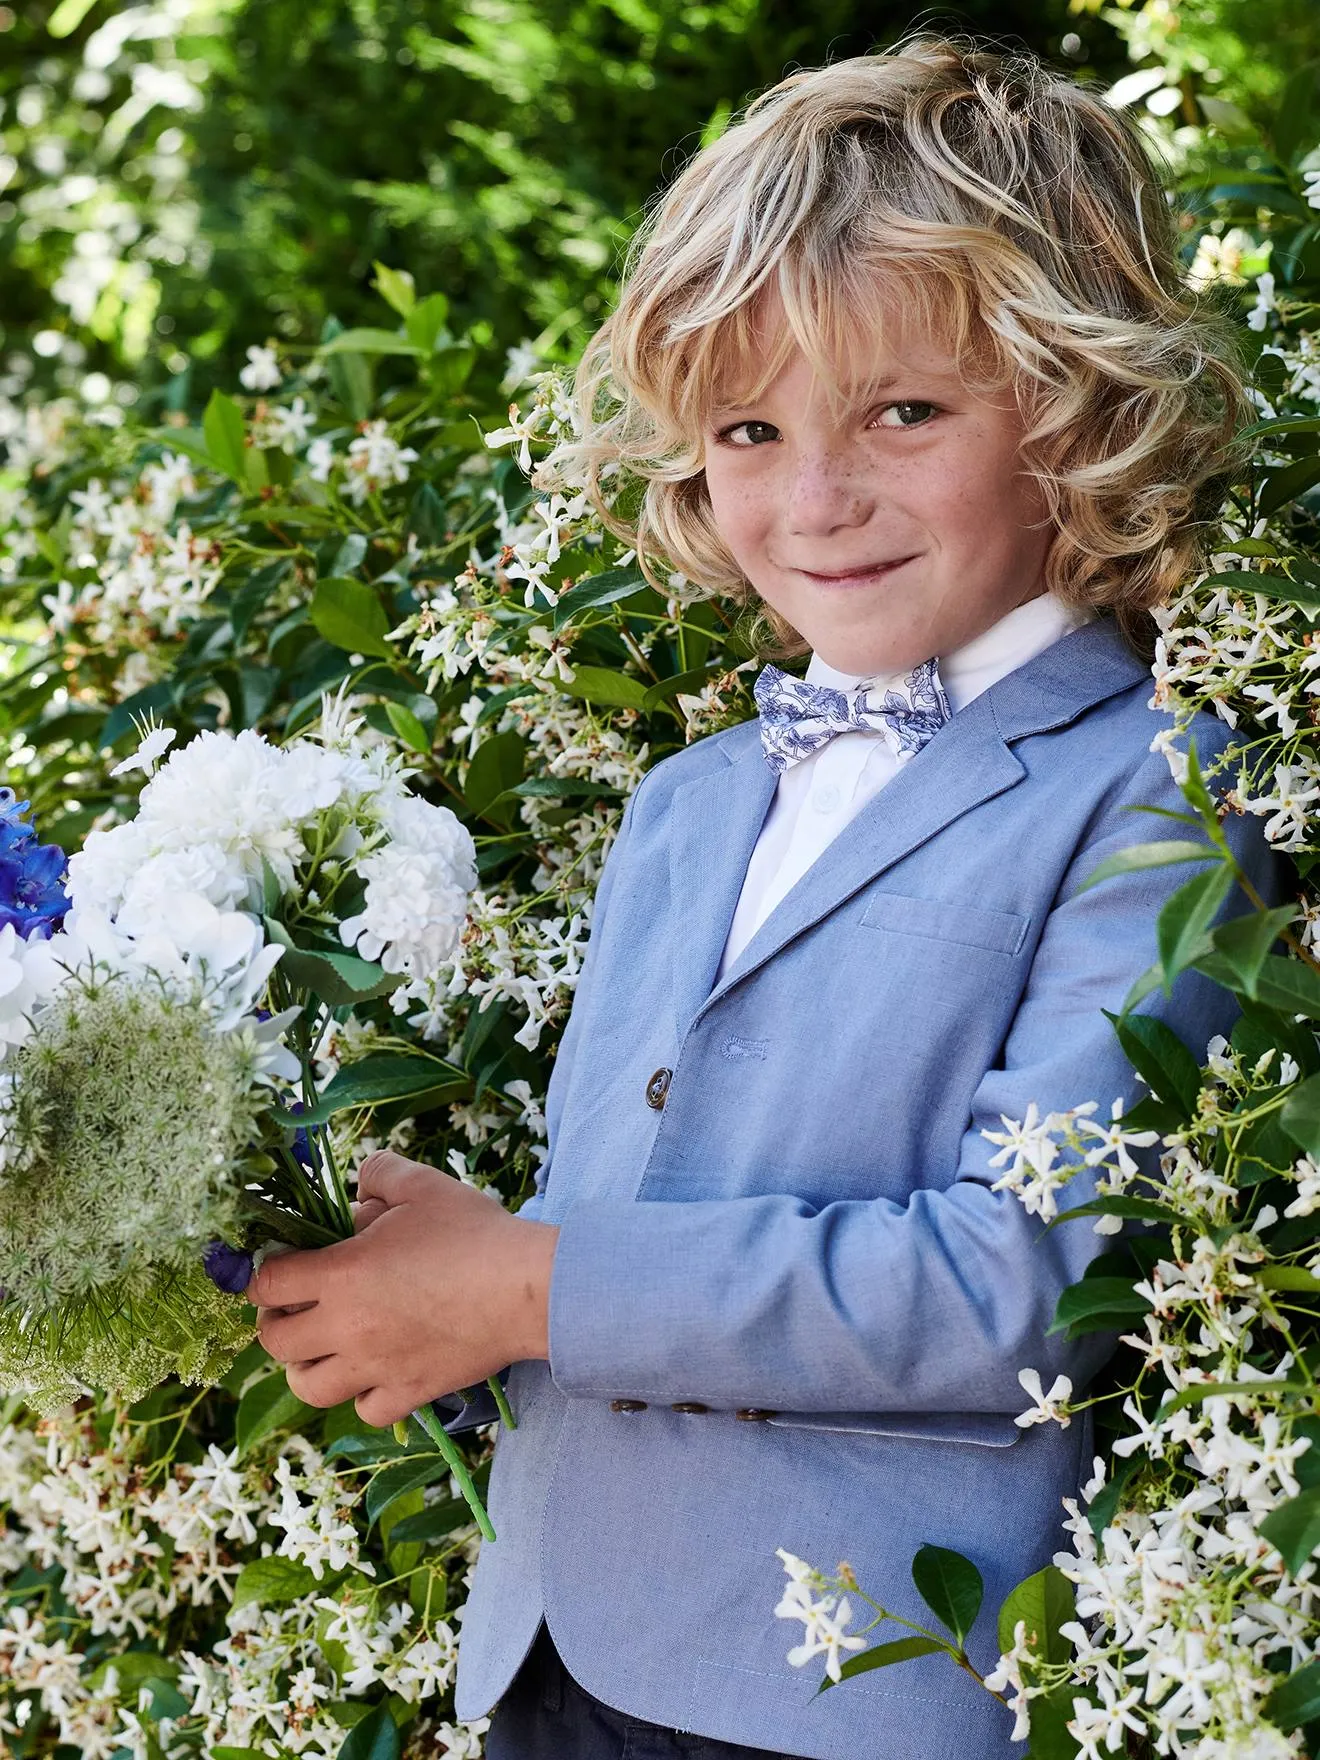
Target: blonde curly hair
[(1003, 207)]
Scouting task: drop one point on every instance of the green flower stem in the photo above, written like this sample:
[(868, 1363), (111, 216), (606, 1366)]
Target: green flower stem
[(458, 1467), (501, 1400)]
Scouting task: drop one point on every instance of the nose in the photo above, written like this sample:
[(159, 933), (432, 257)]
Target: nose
[(825, 494)]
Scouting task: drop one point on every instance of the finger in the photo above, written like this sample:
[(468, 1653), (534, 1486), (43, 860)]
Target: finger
[(393, 1179), (366, 1212), (382, 1406), (303, 1337), (286, 1280), (326, 1383)]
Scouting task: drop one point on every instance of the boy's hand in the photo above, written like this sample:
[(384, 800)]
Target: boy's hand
[(440, 1288)]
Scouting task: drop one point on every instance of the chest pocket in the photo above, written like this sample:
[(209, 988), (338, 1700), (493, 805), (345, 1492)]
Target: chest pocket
[(943, 921)]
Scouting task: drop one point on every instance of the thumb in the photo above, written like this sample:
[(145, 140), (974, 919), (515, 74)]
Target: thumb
[(366, 1211), (391, 1179)]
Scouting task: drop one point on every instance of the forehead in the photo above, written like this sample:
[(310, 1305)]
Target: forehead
[(854, 351)]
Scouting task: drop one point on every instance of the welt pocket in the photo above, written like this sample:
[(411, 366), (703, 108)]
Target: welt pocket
[(941, 920), (982, 1429)]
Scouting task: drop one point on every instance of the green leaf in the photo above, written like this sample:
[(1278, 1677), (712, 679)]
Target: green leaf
[(597, 589), (1289, 985), (382, 1076), (348, 613), (226, 1753), (264, 1408), (365, 1451), (1160, 1058), (401, 1477), (1045, 1601), (376, 1737), (425, 322), (1049, 1736), (1295, 1278), (134, 1669), (884, 1656), (67, 16), (1284, 486), (951, 1586), (1203, 1390), (273, 1582), (497, 765), (427, 518), (1244, 944), (396, 287), (1300, 1116), (368, 341), (681, 681), (408, 728), (1103, 1506), (340, 980), (1294, 1528), (434, 1522), (1297, 1700), (1135, 1209), (1162, 854), (224, 430), (450, 368), (1098, 1304), (601, 684), (1183, 925)]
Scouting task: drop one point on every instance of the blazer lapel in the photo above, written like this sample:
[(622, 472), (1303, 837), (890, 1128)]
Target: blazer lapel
[(714, 822), (716, 818)]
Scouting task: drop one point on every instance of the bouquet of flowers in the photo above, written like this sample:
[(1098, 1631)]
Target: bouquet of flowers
[(160, 1014)]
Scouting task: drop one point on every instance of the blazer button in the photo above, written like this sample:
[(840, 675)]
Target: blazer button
[(754, 1415), (658, 1087), (690, 1405), (627, 1405)]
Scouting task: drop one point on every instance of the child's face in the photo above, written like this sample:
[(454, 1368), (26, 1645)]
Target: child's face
[(896, 531)]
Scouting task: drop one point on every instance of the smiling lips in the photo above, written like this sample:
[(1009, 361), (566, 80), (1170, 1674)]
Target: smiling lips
[(872, 571)]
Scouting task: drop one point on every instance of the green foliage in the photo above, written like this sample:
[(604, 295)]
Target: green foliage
[(283, 159)]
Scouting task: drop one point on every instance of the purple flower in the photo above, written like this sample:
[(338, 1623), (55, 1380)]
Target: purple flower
[(32, 895), (229, 1268)]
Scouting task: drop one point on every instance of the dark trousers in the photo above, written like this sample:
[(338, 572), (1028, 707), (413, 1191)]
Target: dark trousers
[(546, 1715)]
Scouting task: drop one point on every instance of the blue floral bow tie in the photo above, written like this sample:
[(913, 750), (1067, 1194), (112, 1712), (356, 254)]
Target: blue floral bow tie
[(797, 717)]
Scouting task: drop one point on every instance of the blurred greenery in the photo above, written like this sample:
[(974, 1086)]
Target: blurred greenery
[(189, 177), (183, 179)]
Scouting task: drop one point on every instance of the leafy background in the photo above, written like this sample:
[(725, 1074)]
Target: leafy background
[(417, 215)]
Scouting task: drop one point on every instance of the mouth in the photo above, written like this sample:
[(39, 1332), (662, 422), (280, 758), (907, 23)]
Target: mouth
[(856, 577)]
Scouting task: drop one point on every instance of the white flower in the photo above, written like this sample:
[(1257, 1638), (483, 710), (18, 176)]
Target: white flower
[(262, 372), (1046, 1409), (375, 461), (1258, 316), (320, 459), (29, 972), (417, 886), (156, 741)]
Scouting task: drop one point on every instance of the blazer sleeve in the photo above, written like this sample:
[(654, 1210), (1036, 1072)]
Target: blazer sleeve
[(933, 1304), (563, 1063)]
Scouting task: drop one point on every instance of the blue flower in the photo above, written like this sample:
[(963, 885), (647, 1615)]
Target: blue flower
[(32, 895), (229, 1268)]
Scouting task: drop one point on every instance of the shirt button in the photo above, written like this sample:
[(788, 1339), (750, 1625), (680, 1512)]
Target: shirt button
[(690, 1405), (658, 1087), (754, 1415), (627, 1405), (825, 799)]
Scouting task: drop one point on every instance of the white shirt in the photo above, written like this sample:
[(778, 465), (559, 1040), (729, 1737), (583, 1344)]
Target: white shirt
[(816, 797)]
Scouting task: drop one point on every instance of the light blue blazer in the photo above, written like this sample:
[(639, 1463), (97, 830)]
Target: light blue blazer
[(805, 1226)]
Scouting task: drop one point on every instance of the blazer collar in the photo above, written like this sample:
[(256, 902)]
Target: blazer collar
[(717, 818)]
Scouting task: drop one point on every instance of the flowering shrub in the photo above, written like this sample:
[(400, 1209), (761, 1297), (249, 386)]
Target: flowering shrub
[(346, 529)]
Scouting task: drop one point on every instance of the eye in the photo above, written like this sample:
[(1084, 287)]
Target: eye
[(753, 434), (924, 413)]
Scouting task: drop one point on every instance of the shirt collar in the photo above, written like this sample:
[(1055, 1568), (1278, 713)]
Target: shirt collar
[(965, 672)]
